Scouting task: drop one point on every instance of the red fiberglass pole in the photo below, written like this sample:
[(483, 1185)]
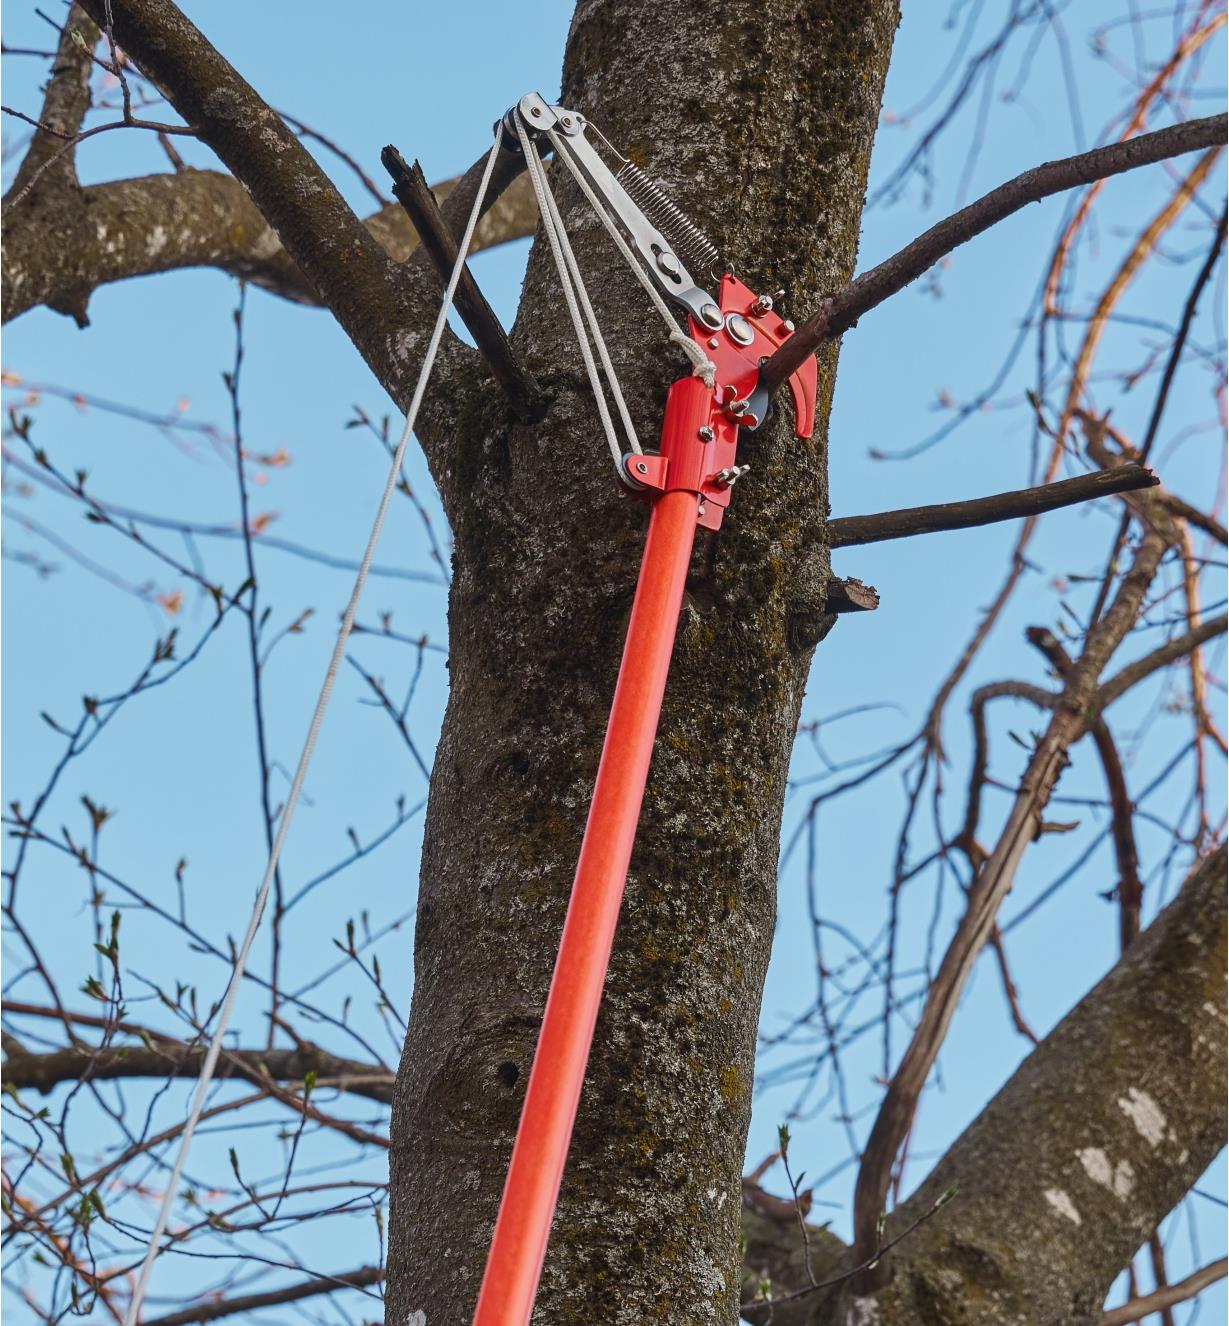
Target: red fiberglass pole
[(689, 484), (532, 1187)]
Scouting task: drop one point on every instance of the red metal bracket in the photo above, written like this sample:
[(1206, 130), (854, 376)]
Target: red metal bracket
[(699, 435)]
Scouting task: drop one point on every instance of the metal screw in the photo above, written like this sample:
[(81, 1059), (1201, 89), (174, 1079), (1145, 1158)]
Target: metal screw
[(705, 433), (566, 121), (641, 467), (713, 343), (789, 326), (535, 112), (738, 407), (710, 315)]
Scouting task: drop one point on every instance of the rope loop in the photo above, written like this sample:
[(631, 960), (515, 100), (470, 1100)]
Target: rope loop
[(701, 365)]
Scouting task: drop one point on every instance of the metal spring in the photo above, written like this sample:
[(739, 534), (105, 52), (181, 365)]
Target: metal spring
[(691, 244)]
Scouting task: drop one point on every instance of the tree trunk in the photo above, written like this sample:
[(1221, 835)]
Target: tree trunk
[(763, 135)]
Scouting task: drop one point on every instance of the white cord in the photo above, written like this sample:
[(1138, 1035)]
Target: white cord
[(590, 316), (296, 787), (702, 365), (561, 250)]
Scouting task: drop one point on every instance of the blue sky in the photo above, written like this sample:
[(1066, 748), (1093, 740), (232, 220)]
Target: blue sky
[(180, 768)]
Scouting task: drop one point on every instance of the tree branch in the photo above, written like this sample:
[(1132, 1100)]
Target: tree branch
[(213, 1309), (1139, 1308), (384, 308), (993, 881), (335, 252), (414, 194), (842, 310), (42, 1072), (1096, 1137), (853, 530), (1193, 516), (1130, 888), (1169, 652), (195, 218), (64, 106)]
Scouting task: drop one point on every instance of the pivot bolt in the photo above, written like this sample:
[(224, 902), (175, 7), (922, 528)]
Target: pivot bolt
[(739, 329), (710, 316), (705, 433), (668, 263)]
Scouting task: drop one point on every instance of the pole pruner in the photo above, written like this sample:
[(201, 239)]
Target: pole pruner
[(688, 482)]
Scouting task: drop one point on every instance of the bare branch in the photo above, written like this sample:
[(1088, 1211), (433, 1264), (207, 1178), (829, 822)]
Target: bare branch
[(1170, 652), (852, 530), (993, 881), (1094, 1139), (42, 1072), (1193, 516), (414, 194), (213, 1309), (383, 308), (1139, 1308), (1162, 396), (842, 310), (64, 106)]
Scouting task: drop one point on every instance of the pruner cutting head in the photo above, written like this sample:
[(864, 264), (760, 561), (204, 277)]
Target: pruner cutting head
[(739, 328), (751, 331)]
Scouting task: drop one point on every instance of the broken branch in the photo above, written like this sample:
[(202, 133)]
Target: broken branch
[(414, 194)]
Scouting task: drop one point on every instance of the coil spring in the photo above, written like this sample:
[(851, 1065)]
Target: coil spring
[(691, 244)]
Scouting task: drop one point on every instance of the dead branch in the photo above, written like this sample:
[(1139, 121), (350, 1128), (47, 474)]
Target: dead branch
[(413, 192)]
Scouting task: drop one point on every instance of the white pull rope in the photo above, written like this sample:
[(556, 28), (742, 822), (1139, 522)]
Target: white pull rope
[(296, 786), (573, 287)]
